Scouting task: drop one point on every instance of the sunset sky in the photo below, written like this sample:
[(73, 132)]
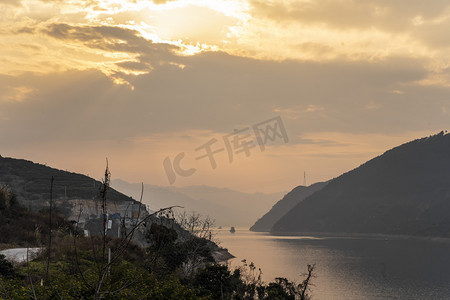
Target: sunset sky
[(140, 82)]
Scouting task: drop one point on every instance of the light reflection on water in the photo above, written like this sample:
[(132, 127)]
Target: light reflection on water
[(349, 268)]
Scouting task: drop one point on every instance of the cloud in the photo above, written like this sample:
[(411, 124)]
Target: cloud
[(121, 51), (135, 37), (71, 36), (219, 92), (435, 34), (114, 39), (352, 14), (413, 22), (194, 24), (315, 48), (324, 107), (162, 1), (11, 2)]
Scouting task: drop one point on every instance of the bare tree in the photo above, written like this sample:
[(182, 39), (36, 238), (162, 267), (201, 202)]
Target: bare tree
[(200, 230), (196, 224), (304, 286)]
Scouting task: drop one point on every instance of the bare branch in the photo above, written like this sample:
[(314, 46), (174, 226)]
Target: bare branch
[(49, 239)]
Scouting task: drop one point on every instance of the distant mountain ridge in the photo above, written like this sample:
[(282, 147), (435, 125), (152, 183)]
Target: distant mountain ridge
[(404, 191), (227, 207), (298, 194)]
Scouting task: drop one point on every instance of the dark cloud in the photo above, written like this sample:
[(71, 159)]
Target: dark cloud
[(321, 142), (28, 30), (219, 92), (134, 66), (115, 39), (316, 48)]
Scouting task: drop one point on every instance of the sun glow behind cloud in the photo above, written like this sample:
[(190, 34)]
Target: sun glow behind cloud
[(25, 48), (270, 30)]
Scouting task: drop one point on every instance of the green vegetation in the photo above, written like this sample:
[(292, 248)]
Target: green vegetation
[(6, 268), (24, 228), (74, 275)]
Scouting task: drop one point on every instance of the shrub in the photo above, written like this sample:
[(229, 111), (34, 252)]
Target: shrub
[(6, 268)]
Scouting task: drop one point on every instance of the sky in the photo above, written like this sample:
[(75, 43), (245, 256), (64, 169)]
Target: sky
[(177, 92)]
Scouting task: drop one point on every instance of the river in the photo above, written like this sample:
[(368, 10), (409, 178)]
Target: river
[(349, 268)]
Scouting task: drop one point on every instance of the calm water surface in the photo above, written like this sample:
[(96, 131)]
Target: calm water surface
[(349, 268)]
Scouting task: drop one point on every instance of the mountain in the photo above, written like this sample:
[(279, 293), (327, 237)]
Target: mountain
[(30, 182), (24, 184), (227, 207), (404, 191), (298, 194)]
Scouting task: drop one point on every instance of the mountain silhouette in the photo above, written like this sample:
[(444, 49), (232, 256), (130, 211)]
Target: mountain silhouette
[(298, 194), (404, 191), (30, 182)]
